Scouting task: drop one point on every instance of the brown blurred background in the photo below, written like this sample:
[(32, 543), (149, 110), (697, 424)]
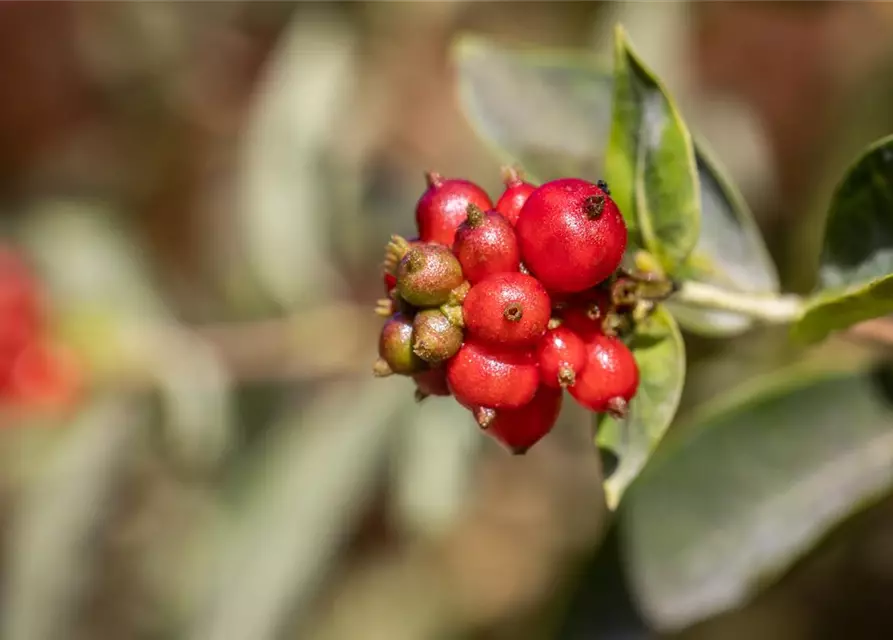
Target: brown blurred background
[(255, 156)]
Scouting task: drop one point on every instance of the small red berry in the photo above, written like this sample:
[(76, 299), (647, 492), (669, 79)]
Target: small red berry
[(427, 274), (44, 375), (482, 376), (520, 429), (562, 356), (609, 379), (585, 313), (486, 244), (432, 382), (515, 195), (442, 208), (508, 309), (571, 234), (389, 282)]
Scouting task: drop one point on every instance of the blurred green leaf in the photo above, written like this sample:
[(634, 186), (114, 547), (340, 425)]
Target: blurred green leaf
[(660, 354), (650, 161), (730, 251), (299, 501), (856, 270), (751, 486), (547, 110), (62, 509), (284, 204), (109, 309)]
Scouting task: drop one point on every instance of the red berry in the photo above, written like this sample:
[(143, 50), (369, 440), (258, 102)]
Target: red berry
[(442, 208), (389, 282), (482, 376), (432, 382), (562, 356), (507, 309), (515, 195), (609, 379), (571, 234), (44, 375), (20, 306), (585, 312), (486, 244), (520, 429)]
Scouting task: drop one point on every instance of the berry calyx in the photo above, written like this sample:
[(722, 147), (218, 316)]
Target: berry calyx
[(508, 309), (515, 195), (520, 429), (562, 355), (443, 207), (571, 234), (486, 244), (395, 348), (482, 376), (434, 338), (427, 275), (609, 379), (432, 382)]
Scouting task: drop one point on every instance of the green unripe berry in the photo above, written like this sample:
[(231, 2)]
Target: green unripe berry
[(395, 348), (434, 338), (427, 275)]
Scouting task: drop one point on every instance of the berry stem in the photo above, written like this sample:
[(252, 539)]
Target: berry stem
[(454, 314), (381, 369), (768, 308), (433, 179), (595, 206), (566, 377), (474, 215), (384, 307), (484, 416), (618, 408), (519, 451), (511, 176), (394, 251)]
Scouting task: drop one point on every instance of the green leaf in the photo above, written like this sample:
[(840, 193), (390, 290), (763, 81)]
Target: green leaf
[(547, 110), (730, 251), (650, 161), (750, 487), (660, 354), (856, 270)]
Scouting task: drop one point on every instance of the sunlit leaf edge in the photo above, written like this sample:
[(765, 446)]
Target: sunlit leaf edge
[(623, 50)]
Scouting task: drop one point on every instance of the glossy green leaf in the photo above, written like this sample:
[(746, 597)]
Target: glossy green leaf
[(856, 270), (730, 251), (650, 161), (660, 354), (547, 110), (748, 488)]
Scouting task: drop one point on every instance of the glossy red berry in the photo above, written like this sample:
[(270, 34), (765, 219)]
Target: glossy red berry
[(571, 234), (515, 195), (610, 378), (507, 309), (520, 429), (483, 376), (442, 208), (432, 382), (562, 355), (486, 244), (585, 313)]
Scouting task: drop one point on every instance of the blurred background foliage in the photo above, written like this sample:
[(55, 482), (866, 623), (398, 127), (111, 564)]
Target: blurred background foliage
[(205, 189)]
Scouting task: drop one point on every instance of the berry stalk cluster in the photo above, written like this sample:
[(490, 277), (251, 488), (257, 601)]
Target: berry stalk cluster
[(504, 307)]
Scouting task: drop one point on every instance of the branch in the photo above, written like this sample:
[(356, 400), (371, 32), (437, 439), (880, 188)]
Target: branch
[(771, 309)]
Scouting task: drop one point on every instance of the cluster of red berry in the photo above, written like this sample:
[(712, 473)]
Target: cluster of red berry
[(33, 371), (503, 307)]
